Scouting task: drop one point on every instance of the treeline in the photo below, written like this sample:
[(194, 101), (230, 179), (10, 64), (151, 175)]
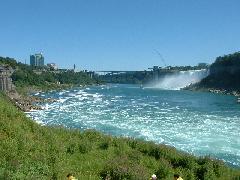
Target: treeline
[(9, 62), (25, 75), (224, 74), (138, 77), (31, 151)]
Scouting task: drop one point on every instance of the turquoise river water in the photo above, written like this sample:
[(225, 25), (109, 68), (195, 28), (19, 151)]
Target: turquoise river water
[(195, 122)]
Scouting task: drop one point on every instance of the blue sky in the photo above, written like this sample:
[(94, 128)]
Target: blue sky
[(119, 34)]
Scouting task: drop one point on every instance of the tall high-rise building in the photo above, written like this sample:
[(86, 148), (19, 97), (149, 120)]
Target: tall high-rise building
[(37, 60)]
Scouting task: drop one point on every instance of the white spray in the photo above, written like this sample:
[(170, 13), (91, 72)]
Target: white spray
[(180, 80)]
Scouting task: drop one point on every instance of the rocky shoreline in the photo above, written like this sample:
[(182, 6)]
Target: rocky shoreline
[(27, 103), (218, 91), (214, 90)]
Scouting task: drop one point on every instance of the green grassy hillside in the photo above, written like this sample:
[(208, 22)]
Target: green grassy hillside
[(31, 151)]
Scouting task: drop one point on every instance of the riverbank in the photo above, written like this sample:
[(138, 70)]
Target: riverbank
[(26, 102), (29, 150), (21, 97), (195, 87), (24, 98)]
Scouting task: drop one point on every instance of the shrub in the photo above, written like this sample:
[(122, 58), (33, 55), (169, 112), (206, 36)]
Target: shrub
[(205, 172), (71, 148), (188, 174), (121, 168), (104, 145), (183, 161), (132, 143), (92, 135), (164, 169), (84, 147), (134, 156), (218, 168), (145, 148)]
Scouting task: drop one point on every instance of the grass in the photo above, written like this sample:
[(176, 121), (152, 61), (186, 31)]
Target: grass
[(31, 151)]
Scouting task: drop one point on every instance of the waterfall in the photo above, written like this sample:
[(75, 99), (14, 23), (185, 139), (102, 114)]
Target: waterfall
[(180, 79)]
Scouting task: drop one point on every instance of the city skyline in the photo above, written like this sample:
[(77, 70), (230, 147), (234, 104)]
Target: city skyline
[(37, 60), (120, 35)]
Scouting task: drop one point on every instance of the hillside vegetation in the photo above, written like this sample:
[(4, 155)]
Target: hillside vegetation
[(31, 151), (224, 74)]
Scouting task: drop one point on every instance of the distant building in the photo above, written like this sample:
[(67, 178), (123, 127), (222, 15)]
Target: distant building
[(52, 66), (155, 71), (5, 79), (91, 74), (37, 60), (202, 65)]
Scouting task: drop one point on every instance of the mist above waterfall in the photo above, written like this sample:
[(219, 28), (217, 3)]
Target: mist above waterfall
[(180, 79)]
